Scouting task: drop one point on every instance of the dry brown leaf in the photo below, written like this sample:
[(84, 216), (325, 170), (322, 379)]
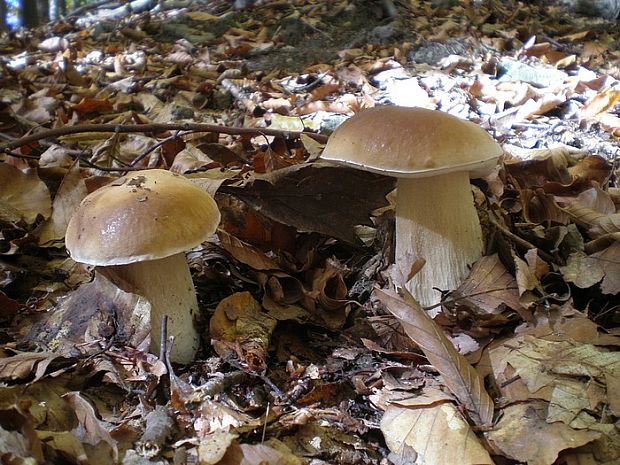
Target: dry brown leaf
[(19, 444), (259, 454), (191, 158), (8, 306), (245, 253), (241, 330), (601, 102), (462, 379), (214, 445), (530, 287), (75, 320), (318, 197), (434, 434), (91, 430), (609, 261), (25, 195), (70, 193), (488, 289), (513, 436), (582, 270), (331, 291), (22, 364)]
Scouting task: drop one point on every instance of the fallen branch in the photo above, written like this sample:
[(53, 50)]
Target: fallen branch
[(156, 128)]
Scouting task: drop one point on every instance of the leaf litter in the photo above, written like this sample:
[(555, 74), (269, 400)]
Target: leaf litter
[(308, 354)]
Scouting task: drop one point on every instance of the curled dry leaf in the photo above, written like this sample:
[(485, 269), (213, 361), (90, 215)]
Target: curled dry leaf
[(23, 364), (245, 253), (91, 430), (460, 377), (240, 330)]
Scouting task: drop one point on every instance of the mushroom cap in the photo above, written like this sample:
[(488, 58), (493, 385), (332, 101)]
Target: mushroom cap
[(146, 215), (412, 142)]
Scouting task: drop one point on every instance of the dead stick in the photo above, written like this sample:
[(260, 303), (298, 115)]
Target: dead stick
[(520, 241), (155, 127)]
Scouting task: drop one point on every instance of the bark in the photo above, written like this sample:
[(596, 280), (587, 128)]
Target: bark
[(43, 10), (3, 10), (29, 13)]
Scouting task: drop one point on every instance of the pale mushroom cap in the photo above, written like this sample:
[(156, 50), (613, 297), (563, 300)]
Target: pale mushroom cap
[(412, 142), (146, 215)]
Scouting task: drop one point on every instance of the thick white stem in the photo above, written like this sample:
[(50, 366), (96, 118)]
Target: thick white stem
[(436, 220), (167, 284)]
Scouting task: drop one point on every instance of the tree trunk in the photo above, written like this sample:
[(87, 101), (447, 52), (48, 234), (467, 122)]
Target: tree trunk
[(29, 13), (3, 10), (43, 7)]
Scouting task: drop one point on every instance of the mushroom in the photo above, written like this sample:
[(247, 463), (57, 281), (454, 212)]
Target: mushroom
[(138, 228), (432, 155)]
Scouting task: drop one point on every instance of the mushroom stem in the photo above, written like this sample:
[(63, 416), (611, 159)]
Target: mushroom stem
[(436, 220), (167, 284)]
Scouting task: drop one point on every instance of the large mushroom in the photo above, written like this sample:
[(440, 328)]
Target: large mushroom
[(138, 228), (433, 155)]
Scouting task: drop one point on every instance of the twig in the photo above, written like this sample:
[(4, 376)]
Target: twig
[(473, 294), (163, 341), (520, 241), (262, 439), (140, 157), (155, 128)]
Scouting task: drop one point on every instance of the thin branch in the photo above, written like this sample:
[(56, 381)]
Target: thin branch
[(520, 241), (155, 128)]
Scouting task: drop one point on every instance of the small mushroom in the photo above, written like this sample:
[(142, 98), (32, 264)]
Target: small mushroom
[(138, 227), (433, 155)]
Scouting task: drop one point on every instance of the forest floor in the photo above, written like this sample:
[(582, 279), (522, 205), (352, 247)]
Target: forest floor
[(308, 354)]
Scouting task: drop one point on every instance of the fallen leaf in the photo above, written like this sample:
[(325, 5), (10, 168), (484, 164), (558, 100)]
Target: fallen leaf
[(488, 289), (432, 434), (512, 435), (460, 377), (241, 330), (245, 253), (90, 430), (318, 197), (71, 192), (23, 364), (76, 320), (23, 194), (258, 454)]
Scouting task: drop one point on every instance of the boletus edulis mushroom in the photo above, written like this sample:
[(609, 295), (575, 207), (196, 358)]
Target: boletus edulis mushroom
[(433, 155), (138, 227)]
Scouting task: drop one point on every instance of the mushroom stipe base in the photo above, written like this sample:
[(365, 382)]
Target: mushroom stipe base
[(167, 284), (436, 220)]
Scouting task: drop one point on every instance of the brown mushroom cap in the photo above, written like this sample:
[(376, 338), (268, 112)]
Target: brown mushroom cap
[(146, 215), (412, 142)]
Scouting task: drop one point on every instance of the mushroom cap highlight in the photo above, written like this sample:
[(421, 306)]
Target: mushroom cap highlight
[(408, 142), (146, 215)]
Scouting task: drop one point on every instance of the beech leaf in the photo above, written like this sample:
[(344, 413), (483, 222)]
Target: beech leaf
[(460, 377), (318, 197)]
